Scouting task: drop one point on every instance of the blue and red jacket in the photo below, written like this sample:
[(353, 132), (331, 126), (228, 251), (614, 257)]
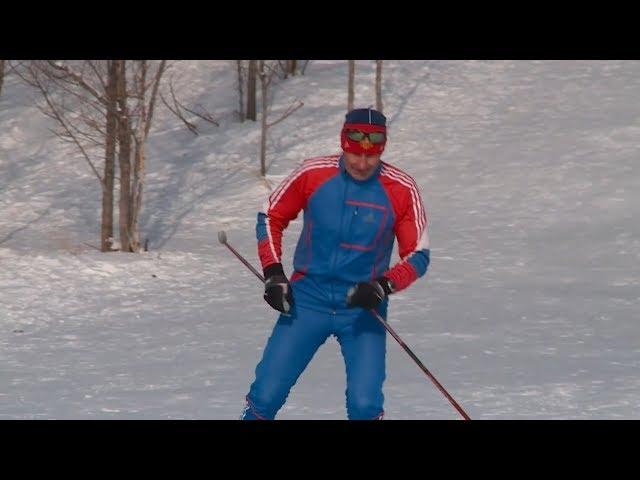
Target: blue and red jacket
[(349, 230)]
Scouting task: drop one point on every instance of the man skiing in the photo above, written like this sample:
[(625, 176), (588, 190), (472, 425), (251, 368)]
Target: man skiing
[(355, 206)]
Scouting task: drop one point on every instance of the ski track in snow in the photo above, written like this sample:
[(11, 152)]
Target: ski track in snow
[(529, 309)]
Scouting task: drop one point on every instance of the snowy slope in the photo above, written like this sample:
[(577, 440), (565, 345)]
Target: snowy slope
[(529, 309)]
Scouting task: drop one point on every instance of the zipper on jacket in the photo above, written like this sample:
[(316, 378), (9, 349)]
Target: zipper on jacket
[(339, 240)]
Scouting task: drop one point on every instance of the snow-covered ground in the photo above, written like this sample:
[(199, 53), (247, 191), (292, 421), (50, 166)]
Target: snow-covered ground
[(529, 171)]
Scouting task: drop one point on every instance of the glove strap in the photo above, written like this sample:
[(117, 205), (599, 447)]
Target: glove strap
[(386, 284)]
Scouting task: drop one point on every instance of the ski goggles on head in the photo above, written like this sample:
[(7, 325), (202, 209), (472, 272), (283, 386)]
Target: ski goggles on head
[(360, 136), (363, 138)]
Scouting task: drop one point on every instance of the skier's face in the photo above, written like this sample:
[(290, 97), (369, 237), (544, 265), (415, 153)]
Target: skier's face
[(361, 165)]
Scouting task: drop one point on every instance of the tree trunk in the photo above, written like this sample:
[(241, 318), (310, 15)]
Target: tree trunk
[(292, 66), (124, 158), (251, 90), (263, 140), (138, 160), (136, 195), (379, 85), (352, 76), (106, 237), (140, 152), (240, 90), (2, 63)]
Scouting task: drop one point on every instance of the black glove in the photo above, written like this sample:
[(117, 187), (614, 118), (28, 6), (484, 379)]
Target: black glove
[(277, 291), (369, 294)]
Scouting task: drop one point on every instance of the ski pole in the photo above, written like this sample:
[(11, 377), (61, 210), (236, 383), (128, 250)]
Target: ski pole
[(420, 364), (222, 237)]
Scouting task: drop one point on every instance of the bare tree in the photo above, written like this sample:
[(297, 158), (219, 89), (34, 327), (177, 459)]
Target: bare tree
[(77, 97), (2, 63), (104, 105), (124, 155), (265, 79), (251, 90), (379, 85), (141, 87), (266, 72), (350, 88), (106, 235), (146, 84)]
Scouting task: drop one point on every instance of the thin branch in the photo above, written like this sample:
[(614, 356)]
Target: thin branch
[(264, 76), (92, 246), (289, 111), (84, 100), (94, 126), (78, 79), (14, 65), (204, 116), (87, 136), (55, 113), (176, 110), (100, 75), (29, 78), (64, 125), (66, 86)]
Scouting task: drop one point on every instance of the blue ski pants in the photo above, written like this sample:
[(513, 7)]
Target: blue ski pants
[(294, 341)]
